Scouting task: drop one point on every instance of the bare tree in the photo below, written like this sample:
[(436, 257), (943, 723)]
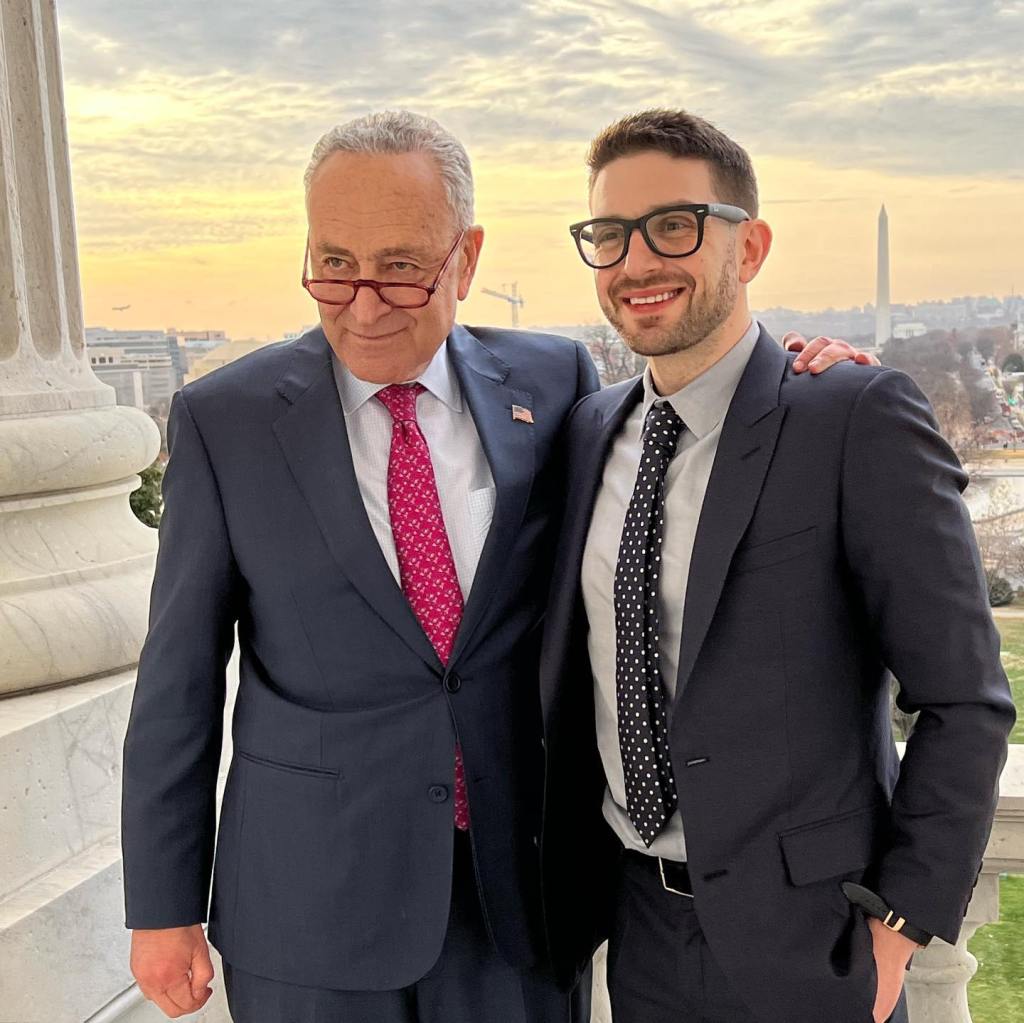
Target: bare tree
[(999, 536), (611, 355), (952, 386)]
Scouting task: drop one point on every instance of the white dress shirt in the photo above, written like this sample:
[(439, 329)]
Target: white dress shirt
[(464, 481), (702, 406)]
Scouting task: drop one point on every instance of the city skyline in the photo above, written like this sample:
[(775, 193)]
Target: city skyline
[(190, 130), (970, 311)]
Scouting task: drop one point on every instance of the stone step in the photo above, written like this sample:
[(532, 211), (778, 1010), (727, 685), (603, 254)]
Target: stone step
[(64, 935)]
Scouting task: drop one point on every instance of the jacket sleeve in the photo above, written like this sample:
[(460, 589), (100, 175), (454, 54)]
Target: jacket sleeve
[(910, 545), (587, 380), (173, 743)]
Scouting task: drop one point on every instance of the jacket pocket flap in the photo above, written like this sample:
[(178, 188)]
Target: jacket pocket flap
[(288, 765), (828, 848), (770, 552)]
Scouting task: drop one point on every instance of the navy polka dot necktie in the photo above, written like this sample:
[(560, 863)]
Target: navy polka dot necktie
[(642, 706)]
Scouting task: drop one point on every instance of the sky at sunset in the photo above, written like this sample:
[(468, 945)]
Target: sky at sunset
[(191, 124)]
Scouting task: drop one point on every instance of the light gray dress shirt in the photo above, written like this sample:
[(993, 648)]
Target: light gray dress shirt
[(702, 406), (464, 481)]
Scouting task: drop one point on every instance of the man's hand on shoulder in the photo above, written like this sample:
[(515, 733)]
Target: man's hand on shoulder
[(892, 952), (823, 352), (172, 966)]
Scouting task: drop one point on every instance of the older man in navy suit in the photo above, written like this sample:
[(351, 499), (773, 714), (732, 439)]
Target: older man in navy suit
[(373, 505)]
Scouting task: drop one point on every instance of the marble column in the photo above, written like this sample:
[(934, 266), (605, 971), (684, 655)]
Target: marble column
[(75, 570), (75, 564)]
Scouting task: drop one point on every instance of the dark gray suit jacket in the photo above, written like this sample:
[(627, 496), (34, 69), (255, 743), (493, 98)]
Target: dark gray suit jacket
[(832, 547), (334, 851)]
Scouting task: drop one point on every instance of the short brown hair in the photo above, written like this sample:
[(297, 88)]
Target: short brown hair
[(680, 134)]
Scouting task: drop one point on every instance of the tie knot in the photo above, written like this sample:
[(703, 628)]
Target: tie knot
[(400, 401), (663, 428)]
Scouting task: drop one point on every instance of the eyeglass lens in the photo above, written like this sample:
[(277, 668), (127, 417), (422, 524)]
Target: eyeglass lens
[(342, 293), (674, 233)]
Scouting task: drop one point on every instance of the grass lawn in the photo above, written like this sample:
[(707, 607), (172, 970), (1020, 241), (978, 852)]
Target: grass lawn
[(1012, 631), (996, 995)]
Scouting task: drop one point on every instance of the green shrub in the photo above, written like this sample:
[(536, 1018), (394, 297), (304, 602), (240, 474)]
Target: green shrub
[(147, 502), (1000, 592)]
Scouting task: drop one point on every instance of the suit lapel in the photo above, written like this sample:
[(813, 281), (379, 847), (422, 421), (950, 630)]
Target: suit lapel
[(314, 441), (587, 460), (509, 448), (745, 449)]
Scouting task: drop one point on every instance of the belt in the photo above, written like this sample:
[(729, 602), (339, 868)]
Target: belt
[(674, 876)]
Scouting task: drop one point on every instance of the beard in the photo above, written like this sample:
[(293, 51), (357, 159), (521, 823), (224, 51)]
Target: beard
[(703, 314)]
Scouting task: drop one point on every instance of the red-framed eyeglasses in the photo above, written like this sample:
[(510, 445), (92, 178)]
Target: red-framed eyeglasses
[(400, 296)]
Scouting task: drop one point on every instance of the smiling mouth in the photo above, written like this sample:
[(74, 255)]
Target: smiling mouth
[(377, 337), (652, 303)]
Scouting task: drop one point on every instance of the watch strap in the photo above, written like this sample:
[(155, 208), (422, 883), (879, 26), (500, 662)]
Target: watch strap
[(874, 905)]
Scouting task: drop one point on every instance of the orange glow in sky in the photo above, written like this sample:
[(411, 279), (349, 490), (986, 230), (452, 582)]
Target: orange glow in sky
[(188, 182)]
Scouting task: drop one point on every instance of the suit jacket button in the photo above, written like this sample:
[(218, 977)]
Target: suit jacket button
[(452, 683), (438, 793)]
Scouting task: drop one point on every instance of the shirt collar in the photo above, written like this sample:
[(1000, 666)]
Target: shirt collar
[(703, 402), (438, 378)]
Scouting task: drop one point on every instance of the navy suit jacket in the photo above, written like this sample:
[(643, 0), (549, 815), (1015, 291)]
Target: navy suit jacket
[(334, 850), (832, 546)]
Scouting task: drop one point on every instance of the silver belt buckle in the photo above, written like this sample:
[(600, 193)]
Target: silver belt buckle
[(666, 885)]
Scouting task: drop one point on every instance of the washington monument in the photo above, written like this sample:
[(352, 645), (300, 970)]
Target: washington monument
[(883, 314)]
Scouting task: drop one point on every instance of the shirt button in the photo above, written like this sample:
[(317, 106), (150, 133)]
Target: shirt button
[(438, 793), (452, 683)]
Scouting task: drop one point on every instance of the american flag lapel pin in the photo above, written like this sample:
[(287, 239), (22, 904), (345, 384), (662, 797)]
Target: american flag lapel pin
[(521, 415)]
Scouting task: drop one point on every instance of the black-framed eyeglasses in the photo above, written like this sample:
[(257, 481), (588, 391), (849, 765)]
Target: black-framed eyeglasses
[(671, 231), (332, 291)]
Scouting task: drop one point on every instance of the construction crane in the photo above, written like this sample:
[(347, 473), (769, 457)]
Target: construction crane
[(510, 294)]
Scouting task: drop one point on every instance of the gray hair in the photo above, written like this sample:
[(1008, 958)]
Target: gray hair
[(401, 131)]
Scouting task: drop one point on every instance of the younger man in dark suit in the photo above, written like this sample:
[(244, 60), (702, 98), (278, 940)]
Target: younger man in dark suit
[(723, 766)]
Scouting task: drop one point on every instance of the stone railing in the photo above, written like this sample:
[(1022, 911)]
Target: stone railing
[(937, 983)]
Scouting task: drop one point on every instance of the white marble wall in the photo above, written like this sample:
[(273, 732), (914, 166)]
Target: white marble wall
[(62, 938)]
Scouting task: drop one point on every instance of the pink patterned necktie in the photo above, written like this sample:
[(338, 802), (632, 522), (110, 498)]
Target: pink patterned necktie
[(425, 561)]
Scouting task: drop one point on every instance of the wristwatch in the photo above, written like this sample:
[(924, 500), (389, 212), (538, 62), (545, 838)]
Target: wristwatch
[(874, 905)]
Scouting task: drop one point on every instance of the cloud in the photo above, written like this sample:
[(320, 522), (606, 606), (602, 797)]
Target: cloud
[(210, 98)]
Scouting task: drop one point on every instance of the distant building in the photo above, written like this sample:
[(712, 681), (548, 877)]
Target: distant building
[(126, 379), (196, 343), (912, 329), (858, 323), (291, 335), (198, 337), (145, 367), (221, 356)]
